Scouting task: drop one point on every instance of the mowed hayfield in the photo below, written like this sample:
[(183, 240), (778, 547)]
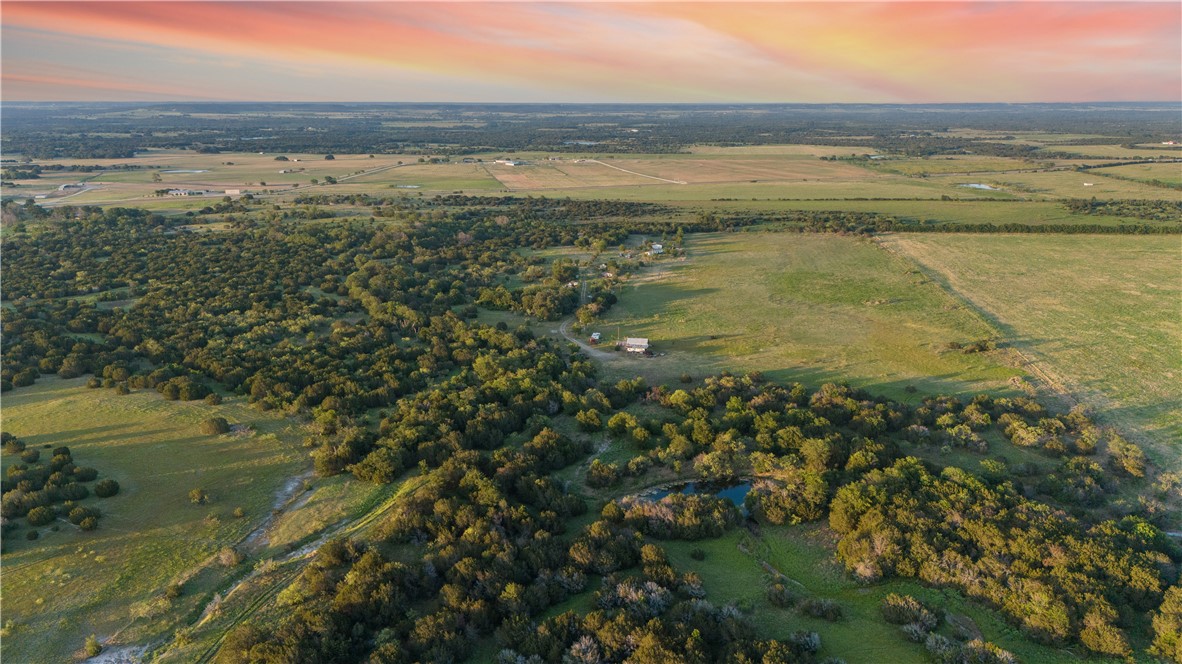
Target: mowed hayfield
[(1100, 315), (110, 582), (809, 308)]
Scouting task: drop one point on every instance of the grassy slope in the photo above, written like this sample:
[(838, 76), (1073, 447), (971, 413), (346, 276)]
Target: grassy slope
[(813, 308), (1102, 313), (69, 584)]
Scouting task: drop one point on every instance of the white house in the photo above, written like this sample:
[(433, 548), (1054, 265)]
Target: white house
[(636, 345)]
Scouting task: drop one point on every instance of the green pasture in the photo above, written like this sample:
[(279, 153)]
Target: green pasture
[(1170, 173), (1099, 315), (69, 584), (812, 308), (1065, 184)]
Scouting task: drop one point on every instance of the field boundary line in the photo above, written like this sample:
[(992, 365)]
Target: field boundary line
[(596, 161)]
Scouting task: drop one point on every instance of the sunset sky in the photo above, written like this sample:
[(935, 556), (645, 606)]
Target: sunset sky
[(908, 52)]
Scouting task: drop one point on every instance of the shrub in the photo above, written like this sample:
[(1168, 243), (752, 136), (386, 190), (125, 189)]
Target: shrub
[(214, 426), (906, 610), (825, 609), (213, 399), (41, 516), (198, 496), (32, 535), (92, 647), (698, 554), (229, 556), (30, 456), (782, 596), (106, 488), (89, 523)]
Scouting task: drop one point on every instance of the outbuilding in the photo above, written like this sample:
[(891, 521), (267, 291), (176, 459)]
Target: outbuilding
[(636, 345)]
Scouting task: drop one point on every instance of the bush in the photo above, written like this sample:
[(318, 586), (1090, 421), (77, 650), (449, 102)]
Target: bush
[(229, 556), (41, 516), (198, 496), (213, 399), (906, 610), (32, 535), (30, 456), (214, 426), (93, 647), (825, 609), (106, 488), (782, 596), (89, 523), (698, 554)]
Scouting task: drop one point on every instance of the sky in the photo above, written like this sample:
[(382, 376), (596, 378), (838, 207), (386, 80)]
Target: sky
[(700, 52)]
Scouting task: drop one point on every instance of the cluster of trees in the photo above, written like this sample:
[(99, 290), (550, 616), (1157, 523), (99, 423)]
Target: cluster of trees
[(1167, 211), (44, 487), (869, 223), (1060, 578)]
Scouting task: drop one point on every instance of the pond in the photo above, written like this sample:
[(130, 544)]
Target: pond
[(979, 186), (735, 491)]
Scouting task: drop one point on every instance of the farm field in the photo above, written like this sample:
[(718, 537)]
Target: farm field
[(1115, 151), (1170, 173), (955, 164), (1066, 184), (70, 584), (809, 308), (1098, 314)]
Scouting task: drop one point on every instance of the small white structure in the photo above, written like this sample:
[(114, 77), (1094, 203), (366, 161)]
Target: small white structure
[(233, 192), (658, 249), (636, 345), (595, 337)]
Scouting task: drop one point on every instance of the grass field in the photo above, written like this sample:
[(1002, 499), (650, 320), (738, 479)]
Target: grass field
[(1099, 314), (956, 164), (1169, 173), (813, 308), (69, 584), (1115, 151), (1066, 184)]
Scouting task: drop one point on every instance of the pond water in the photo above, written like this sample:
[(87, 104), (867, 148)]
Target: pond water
[(184, 171), (979, 186), (736, 492)]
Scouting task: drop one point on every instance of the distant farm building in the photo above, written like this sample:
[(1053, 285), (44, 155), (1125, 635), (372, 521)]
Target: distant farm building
[(67, 187), (657, 249), (636, 345), (510, 162), (185, 192), (233, 192), (595, 337)]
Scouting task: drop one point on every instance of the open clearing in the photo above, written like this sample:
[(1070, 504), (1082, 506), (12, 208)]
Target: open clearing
[(813, 308), (69, 584), (1101, 313)]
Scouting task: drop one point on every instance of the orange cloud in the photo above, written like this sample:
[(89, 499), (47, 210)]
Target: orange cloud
[(797, 51)]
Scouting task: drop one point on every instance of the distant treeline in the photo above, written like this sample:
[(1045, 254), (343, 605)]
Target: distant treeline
[(120, 132), (868, 223)]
